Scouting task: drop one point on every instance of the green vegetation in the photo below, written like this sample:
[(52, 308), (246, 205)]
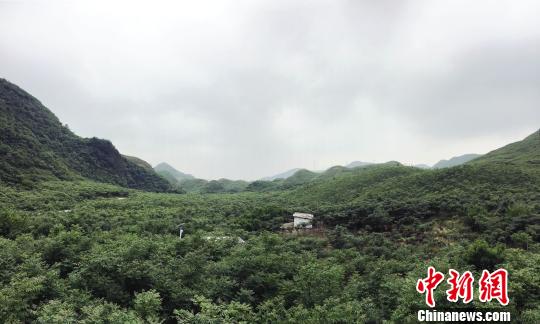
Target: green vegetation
[(283, 175), (35, 146), (300, 177), (93, 252), (90, 252), (142, 163), (73, 249), (172, 173), (213, 186), (525, 153), (455, 161), (188, 183)]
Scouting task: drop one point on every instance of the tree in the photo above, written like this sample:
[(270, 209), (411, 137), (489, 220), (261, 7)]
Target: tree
[(522, 239), (482, 256), (317, 281), (147, 305), (210, 313)]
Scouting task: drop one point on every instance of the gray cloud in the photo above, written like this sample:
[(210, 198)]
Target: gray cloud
[(244, 89)]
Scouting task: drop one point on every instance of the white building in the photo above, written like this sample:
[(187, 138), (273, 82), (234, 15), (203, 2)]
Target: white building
[(302, 220)]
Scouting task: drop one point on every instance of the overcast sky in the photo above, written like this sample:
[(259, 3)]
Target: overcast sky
[(246, 88)]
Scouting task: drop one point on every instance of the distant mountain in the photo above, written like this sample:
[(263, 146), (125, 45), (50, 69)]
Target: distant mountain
[(457, 160), (35, 146), (514, 168), (283, 175), (287, 174), (303, 176), (170, 178), (168, 171), (225, 185), (299, 177), (356, 164), (422, 166), (283, 181), (213, 186), (335, 170), (188, 183)]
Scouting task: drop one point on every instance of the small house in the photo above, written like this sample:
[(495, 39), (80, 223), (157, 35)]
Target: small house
[(302, 220)]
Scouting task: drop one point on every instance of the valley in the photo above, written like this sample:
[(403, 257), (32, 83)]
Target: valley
[(88, 235)]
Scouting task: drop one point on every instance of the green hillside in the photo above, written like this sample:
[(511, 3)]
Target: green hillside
[(283, 175), (140, 162), (188, 183), (35, 146), (299, 177), (524, 153), (455, 161), (169, 171), (309, 178), (213, 186), (339, 184), (492, 182)]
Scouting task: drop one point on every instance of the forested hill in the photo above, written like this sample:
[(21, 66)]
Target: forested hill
[(525, 153), (35, 146), (492, 182), (169, 171), (455, 161)]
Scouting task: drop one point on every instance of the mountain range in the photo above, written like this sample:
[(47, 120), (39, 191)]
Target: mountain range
[(289, 178), (35, 146), (454, 161)]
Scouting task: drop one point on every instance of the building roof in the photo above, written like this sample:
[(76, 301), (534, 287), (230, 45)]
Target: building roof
[(303, 215)]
